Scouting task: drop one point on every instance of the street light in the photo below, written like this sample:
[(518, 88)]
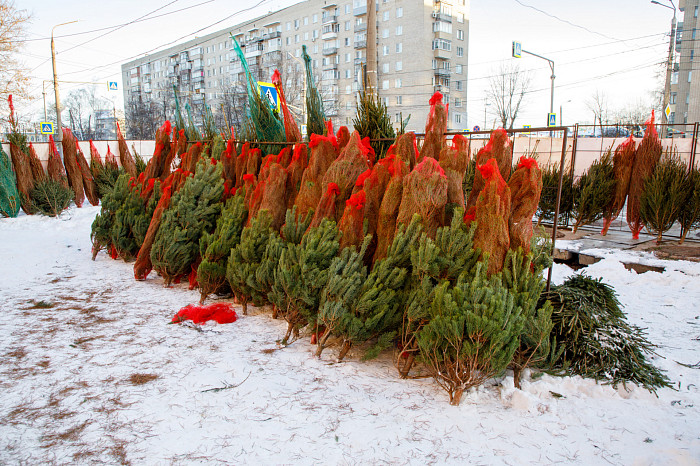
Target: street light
[(561, 113), (516, 54), (669, 64), (59, 132), (486, 104)]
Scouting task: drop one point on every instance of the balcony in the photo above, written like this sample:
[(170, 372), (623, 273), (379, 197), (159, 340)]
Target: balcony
[(198, 78), (198, 98), (442, 72), (444, 54), (329, 51), (329, 19), (360, 27), (360, 61), (271, 35), (272, 56), (330, 66), (440, 16), (360, 10), (329, 35), (360, 44), (254, 52)]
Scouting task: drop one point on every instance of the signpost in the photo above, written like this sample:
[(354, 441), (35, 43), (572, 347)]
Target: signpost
[(112, 85), (268, 90), (46, 127), (667, 111), (476, 128)]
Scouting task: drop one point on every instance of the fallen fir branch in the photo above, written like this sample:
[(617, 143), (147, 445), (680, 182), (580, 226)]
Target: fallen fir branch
[(226, 386), (690, 366)]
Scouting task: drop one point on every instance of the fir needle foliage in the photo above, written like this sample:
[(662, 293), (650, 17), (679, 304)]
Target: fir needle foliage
[(372, 120), (50, 197), (689, 216), (548, 200), (593, 191), (665, 192)]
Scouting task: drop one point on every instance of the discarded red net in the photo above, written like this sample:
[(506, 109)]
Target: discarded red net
[(424, 193), (435, 128), (492, 214), (525, 190), (221, 313)]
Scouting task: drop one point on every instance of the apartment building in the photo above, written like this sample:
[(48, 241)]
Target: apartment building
[(685, 80), (422, 47)]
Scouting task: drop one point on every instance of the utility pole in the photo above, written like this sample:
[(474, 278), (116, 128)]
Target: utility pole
[(59, 130), (517, 49), (372, 47), (669, 63)]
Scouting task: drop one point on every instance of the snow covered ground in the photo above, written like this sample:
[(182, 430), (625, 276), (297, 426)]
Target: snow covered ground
[(90, 371)]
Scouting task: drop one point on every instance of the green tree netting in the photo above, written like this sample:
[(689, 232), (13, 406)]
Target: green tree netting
[(9, 196), (315, 117)]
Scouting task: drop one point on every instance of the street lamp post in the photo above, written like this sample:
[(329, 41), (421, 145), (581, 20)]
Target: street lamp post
[(669, 63), (551, 66), (486, 104), (59, 130)]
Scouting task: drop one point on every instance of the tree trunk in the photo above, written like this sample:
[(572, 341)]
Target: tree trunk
[(275, 312), (456, 397), (684, 233), (403, 371), (322, 342), (658, 238), (244, 304), (290, 327), (517, 371), (347, 344)]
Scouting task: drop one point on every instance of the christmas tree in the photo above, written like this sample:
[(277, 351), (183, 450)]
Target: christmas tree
[(491, 215), (291, 129), (689, 216), (665, 192), (435, 129), (296, 172), (454, 160), (9, 196), (127, 161), (323, 153), (50, 197), (89, 185), (389, 207), (245, 259), (548, 198), (54, 167), (38, 172), (372, 120), (304, 272), (593, 191), (424, 193), (20, 161), (133, 216), (101, 234), (70, 160), (315, 117), (623, 159), (525, 190), (499, 148), (215, 248), (645, 160), (193, 211)]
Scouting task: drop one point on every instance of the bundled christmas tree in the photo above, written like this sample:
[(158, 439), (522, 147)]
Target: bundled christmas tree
[(343, 137), (89, 185), (689, 216), (215, 248), (424, 193), (454, 160), (38, 172), (54, 166), (127, 161), (193, 211), (389, 207), (9, 196), (593, 191), (323, 153), (351, 224), (269, 195), (113, 200), (591, 327), (304, 272), (296, 169), (406, 149), (326, 206), (132, 217), (372, 120), (491, 215), (623, 160), (105, 174), (499, 148), (645, 160), (665, 192), (159, 165), (20, 161), (525, 190), (70, 160), (435, 128), (245, 259)]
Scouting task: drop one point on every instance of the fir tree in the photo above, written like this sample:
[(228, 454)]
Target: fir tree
[(50, 197), (689, 216), (215, 248), (593, 191), (9, 196), (132, 217), (665, 192), (193, 211), (101, 234), (304, 272), (245, 259), (548, 199), (372, 120)]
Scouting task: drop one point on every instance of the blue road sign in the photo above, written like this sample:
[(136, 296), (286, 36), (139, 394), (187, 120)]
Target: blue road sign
[(112, 85), (551, 119), (517, 49), (46, 127), (476, 128), (268, 90)]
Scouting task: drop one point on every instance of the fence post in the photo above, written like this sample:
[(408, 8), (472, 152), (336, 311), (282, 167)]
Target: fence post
[(556, 208), (691, 163)]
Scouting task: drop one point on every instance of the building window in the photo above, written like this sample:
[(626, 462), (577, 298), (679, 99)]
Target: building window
[(458, 118), (348, 89), (693, 35), (458, 69), (306, 20), (306, 36), (347, 42), (460, 17), (457, 102), (442, 44), (347, 25), (687, 99), (348, 74), (399, 30), (399, 65), (397, 118), (385, 84), (399, 12), (673, 98), (289, 40), (315, 18), (289, 25), (347, 9), (385, 33), (399, 47), (692, 54), (399, 99), (460, 51), (690, 76), (460, 34), (347, 55), (458, 85), (398, 83), (315, 34), (296, 38), (385, 16), (385, 49), (385, 68), (695, 13)]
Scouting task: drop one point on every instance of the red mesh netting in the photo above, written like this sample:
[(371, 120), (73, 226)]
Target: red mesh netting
[(284, 158), (492, 213), (37, 169), (296, 172), (249, 182), (70, 159), (253, 162), (24, 177), (291, 129), (424, 193), (343, 137), (623, 160), (159, 164), (265, 166), (54, 167), (221, 313), (435, 128), (499, 148), (407, 149), (645, 160), (326, 206), (190, 159), (352, 221), (241, 162), (374, 183), (345, 170), (228, 160), (525, 189), (323, 153), (110, 159), (89, 185), (143, 266), (125, 157), (454, 160), (95, 157), (390, 203)]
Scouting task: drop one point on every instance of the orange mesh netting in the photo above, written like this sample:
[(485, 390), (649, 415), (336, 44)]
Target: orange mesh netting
[(249, 182), (525, 189), (70, 159), (284, 158), (160, 162), (326, 206), (296, 172), (95, 157), (273, 200), (190, 159), (291, 129), (424, 193), (389, 206), (407, 149), (345, 170), (89, 185), (265, 166), (110, 160), (352, 221), (499, 148), (492, 213), (221, 313), (143, 266), (454, 160), (253, 162), (323, 153), (435, 128), (125, 157), (241, 162), (228, 160), (374, 183), (24, 177), (54, 167), (37, 169), (645, 160), (623, 160)]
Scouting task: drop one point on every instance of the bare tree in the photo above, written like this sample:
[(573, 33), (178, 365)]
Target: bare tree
[(633, 115), (14, 76), (142, 118), (507, 89), (598, 104)]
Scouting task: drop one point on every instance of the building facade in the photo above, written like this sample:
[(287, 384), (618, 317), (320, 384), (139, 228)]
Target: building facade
[(422, 47), (685, 83)]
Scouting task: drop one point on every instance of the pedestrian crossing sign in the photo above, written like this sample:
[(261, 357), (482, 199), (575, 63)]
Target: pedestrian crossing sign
[(46, 127), (269, 91), (112, 85), (551, 120)]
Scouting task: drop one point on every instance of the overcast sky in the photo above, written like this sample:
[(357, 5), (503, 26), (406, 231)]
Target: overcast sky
[(612, 46)]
